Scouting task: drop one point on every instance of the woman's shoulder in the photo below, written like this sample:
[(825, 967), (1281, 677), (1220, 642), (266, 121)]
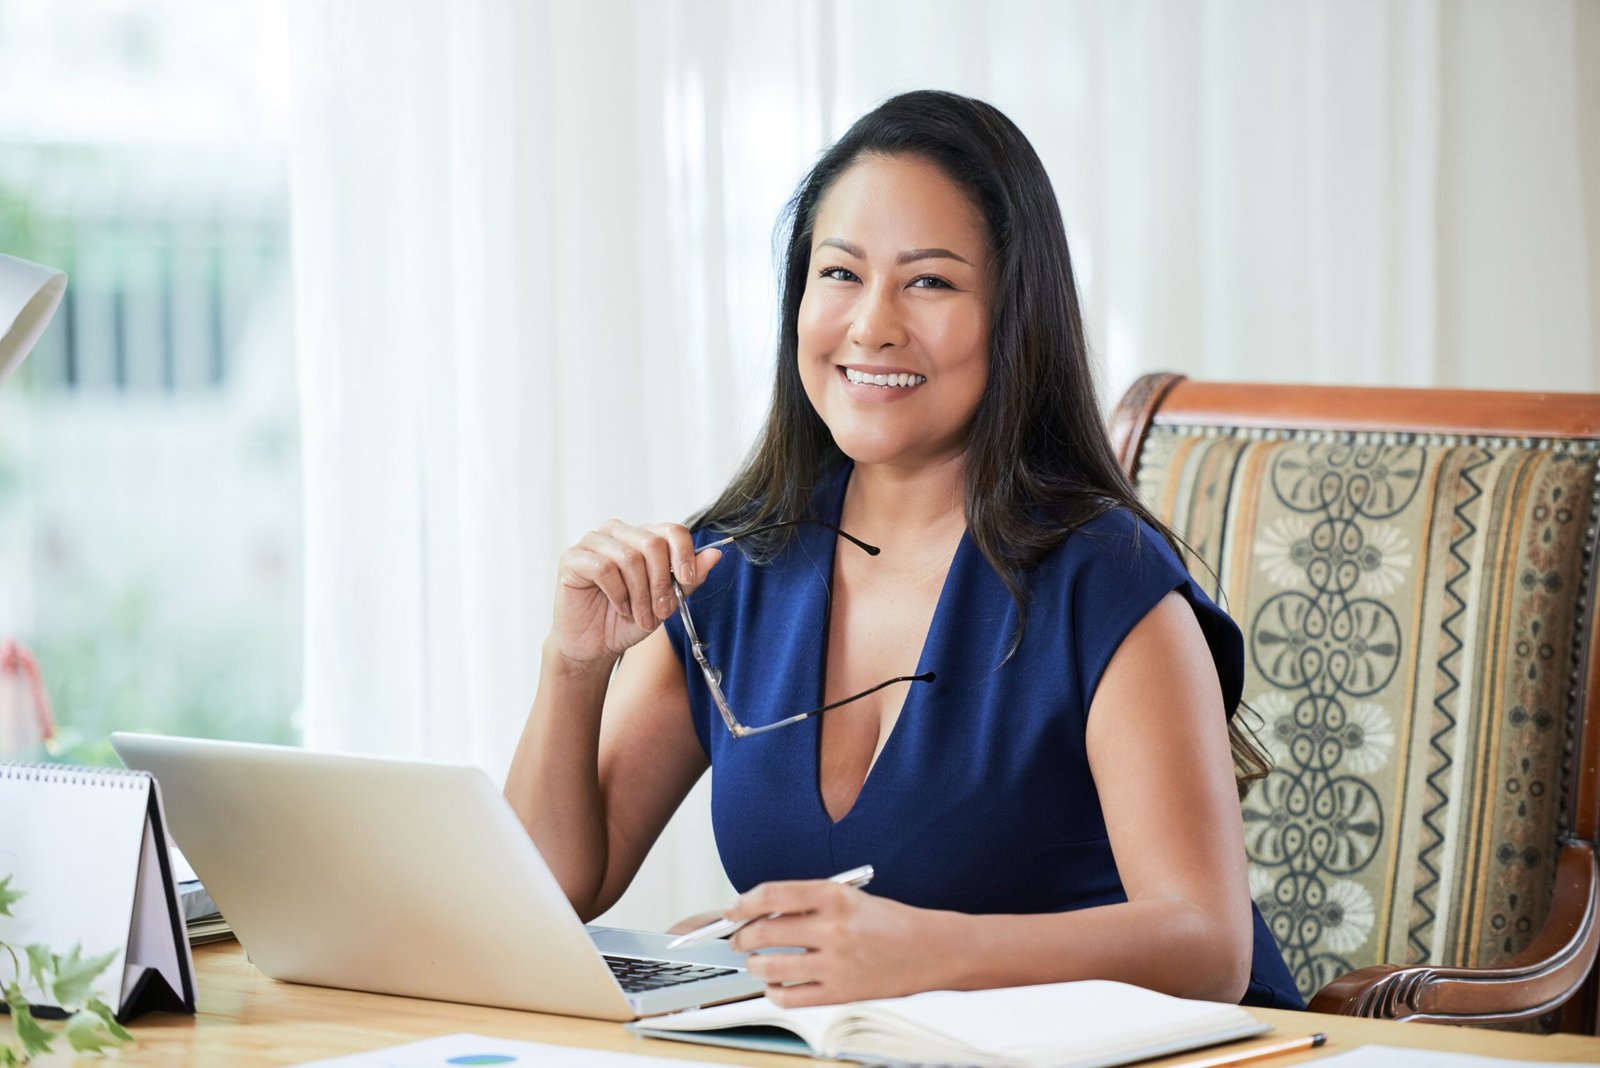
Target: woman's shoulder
[(1109, 572), (1116, 521), (1117, 537), (1105, 565)]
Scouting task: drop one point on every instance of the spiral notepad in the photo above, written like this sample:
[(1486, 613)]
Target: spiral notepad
[(88, 847)]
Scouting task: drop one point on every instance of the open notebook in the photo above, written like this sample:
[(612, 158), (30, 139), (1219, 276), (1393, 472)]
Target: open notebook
[(1075, 1025)]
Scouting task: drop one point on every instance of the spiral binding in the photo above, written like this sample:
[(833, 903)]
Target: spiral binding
[(74, 775)]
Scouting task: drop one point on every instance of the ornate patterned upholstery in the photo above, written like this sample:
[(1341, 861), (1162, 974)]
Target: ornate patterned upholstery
[(1414, 608)]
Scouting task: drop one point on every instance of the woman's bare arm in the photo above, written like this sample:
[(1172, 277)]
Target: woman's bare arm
[(609, 749), (1158, 748)]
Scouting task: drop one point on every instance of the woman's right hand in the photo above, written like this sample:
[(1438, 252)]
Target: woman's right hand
[(615, 587)]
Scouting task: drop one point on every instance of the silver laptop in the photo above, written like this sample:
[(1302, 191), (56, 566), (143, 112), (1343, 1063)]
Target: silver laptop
[(405, 878)]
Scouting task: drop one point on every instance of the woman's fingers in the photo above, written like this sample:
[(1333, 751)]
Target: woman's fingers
[(800, 995), (785, 967), (808, 914), (584, 563), (784, 896), (680, 545), (801, 931), (630, 564), (634, 567), (656, 550), (615, 586)]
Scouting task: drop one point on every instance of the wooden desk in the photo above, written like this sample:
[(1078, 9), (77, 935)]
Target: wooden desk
[(247, 1019)]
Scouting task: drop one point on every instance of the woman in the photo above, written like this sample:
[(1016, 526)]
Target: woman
[(1053, 796)]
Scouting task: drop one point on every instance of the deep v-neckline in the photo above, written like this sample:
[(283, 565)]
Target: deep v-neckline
[(824, 560)]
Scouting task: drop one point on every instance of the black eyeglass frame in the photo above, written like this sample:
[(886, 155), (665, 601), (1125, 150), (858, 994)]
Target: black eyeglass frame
[(713, 676)]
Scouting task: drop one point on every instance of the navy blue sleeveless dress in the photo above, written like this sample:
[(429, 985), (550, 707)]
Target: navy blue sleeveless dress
[(981, 800)]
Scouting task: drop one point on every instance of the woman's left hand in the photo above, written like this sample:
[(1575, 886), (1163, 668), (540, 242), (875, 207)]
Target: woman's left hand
[(856, 946)]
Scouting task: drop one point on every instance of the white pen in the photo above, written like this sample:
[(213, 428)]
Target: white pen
[(722, 928)]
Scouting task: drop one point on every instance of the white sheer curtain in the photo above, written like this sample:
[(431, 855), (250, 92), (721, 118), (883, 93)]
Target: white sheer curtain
[(534, 273)]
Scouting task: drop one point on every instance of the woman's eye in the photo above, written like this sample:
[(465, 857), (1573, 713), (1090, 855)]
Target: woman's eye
[(930, 281), (838, 274)]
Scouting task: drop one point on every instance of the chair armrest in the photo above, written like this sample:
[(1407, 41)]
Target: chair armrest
[(1538, 979)]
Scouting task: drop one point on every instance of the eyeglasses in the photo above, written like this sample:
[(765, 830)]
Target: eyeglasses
[(713, 676)]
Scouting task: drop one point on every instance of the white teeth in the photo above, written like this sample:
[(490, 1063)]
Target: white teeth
[(897, 381)]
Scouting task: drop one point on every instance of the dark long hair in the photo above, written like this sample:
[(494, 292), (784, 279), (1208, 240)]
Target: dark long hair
[(1039, 463)]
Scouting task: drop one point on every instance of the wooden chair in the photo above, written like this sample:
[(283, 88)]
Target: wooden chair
[(1415, 575)]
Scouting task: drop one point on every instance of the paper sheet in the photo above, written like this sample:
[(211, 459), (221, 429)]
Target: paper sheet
[(181, 871), (450, 1051)]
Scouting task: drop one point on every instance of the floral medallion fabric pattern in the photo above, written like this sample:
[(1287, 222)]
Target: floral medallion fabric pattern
[(1410, 608)]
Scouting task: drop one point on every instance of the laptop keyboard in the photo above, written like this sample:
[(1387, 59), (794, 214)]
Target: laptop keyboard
[(638, 976)]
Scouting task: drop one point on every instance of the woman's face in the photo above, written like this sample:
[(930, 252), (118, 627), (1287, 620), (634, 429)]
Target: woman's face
[(894, 322)]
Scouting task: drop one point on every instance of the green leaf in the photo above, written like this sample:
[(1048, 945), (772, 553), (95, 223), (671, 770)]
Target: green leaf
[(74, 973), (41, 965), (8, 1057), (35, 1039), (87, 1032), (8, 896), (102, 1010)]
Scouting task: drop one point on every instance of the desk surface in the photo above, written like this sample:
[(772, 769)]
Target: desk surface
[(247, 1019)]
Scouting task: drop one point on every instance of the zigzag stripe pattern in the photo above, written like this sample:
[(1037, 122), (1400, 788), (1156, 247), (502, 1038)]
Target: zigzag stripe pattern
[(1374, 587), (1437, 799)]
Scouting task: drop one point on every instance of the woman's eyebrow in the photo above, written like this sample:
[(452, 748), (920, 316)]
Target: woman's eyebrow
[(910, 256), (930, 254)]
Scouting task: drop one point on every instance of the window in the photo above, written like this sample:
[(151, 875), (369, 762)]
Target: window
[(149, 466)]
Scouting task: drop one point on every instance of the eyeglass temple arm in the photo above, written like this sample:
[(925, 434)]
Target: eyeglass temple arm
[(870, 550), (926, 676)]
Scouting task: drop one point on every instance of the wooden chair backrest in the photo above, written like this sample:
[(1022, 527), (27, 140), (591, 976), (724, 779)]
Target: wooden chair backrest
[(1414, 572)]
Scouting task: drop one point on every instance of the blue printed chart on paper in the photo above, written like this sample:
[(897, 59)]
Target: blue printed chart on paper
[(451, 1051)]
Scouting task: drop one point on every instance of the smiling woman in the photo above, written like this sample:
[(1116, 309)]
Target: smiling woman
[(894, 325), (1058, 801)]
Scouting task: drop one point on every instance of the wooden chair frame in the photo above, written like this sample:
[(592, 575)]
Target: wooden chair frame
[(1557, 971)]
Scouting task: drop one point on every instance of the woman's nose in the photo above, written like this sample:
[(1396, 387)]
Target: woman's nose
[(878, 323)]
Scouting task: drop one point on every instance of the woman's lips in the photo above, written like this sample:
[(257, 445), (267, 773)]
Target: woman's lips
[(880, 384)]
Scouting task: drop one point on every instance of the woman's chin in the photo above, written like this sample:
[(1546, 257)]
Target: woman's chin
[(869, 449)]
